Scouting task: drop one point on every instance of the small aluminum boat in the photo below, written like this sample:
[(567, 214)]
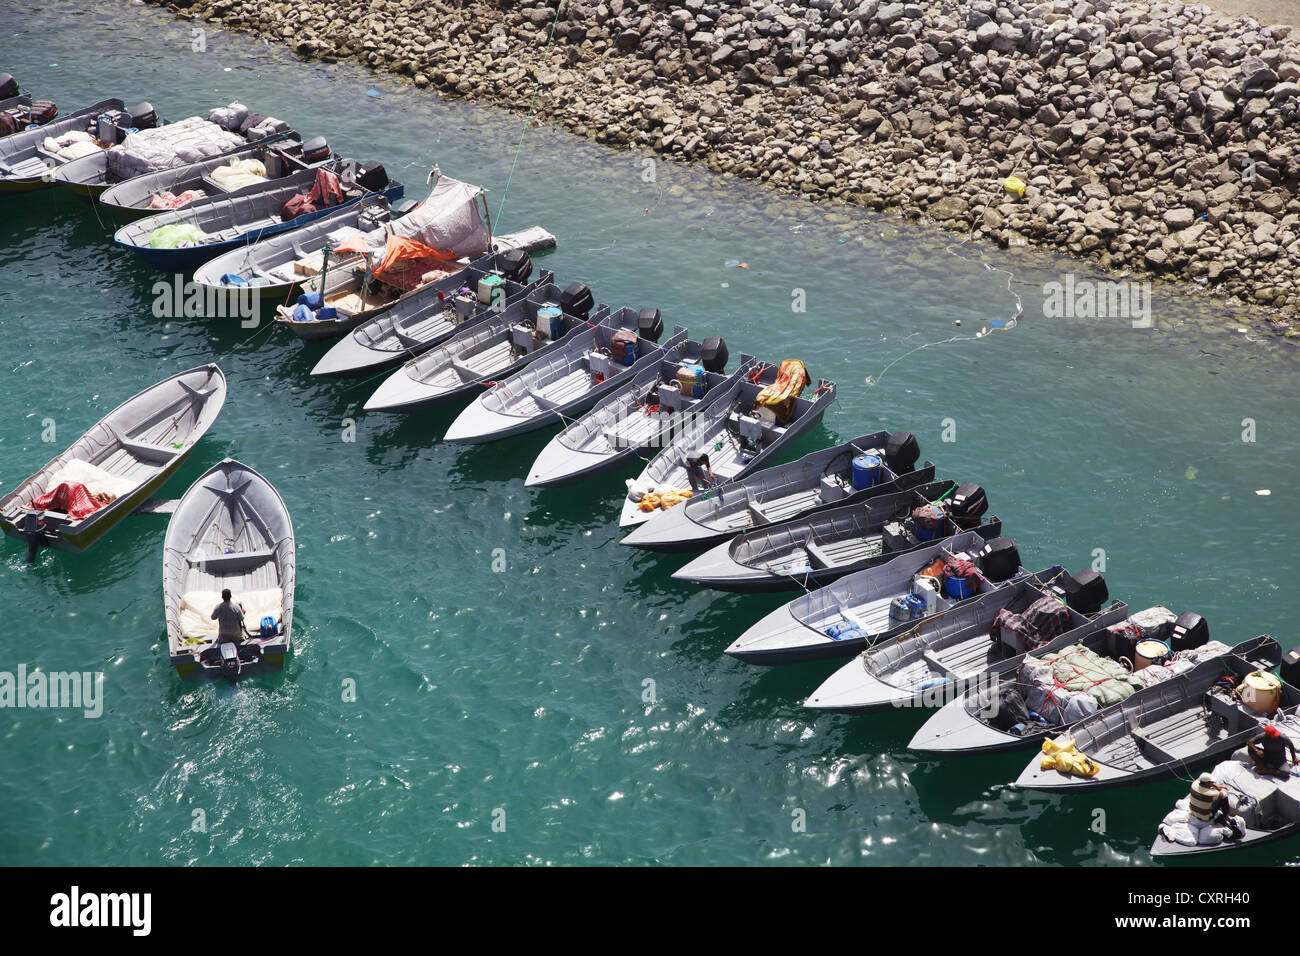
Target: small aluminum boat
[(127, 456), (820, 480), (230, 530)]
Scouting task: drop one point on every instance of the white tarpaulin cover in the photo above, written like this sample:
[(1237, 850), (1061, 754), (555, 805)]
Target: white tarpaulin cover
[(448, 221), (188, 141)]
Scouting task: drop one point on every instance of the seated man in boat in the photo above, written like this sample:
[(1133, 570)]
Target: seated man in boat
[(1268, 751), (230, 619), (1209, 803)]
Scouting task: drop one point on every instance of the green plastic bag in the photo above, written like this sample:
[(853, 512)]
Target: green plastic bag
[(175, 236)]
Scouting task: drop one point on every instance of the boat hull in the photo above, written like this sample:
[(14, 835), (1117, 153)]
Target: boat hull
[(188, 259), (632, 516), (106, 519)]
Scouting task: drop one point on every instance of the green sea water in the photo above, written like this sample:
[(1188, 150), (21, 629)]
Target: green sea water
[(502, 717)]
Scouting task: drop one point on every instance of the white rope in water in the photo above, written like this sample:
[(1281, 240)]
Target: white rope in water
[(995, 325)]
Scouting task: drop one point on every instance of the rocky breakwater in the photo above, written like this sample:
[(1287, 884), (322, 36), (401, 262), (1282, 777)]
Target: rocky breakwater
[(1153, 137)]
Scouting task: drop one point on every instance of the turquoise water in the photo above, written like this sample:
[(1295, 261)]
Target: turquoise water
[(517, 697)]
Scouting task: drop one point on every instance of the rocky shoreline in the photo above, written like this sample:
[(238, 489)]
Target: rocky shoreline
[(1153, 138)]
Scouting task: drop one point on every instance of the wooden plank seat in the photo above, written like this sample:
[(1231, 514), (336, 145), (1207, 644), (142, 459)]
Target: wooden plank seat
[(234, 561)]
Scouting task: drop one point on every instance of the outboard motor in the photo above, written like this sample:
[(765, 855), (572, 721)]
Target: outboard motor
[(999, 559), (1190, 630), (1084, 592), (8, 86), (315, 150), (230, 665), (576, 300), (515, 264), (1290, 669), (143, 116), (372, 177), (713, 354), (967, 503), (901, 452), (649, 324)]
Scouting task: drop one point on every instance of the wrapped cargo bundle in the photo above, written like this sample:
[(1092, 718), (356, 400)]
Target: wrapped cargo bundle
[(239, 173), (191, 140), (73, 144)]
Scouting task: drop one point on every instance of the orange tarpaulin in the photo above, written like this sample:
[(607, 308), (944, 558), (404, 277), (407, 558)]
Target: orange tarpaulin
[(790, 382), (356, 244), (408, 253), (408, 264)]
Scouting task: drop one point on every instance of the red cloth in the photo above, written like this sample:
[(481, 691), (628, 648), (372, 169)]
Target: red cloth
[(71, 497), (325, 190)]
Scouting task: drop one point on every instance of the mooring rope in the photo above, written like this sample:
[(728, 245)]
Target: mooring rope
[(528, 121)]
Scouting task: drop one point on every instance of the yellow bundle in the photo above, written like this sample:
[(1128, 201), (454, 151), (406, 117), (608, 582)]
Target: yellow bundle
[(1062, 755), (663, 499)]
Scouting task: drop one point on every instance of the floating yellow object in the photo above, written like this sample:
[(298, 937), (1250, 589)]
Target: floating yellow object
[(1014, 186)]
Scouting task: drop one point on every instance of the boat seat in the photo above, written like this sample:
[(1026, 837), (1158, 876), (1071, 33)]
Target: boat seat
[(540, 400), (465, 372), (1229, 710), (1154, 751), (756, 513), (938, 666), (142, 449), (237, 559), (818, 558)]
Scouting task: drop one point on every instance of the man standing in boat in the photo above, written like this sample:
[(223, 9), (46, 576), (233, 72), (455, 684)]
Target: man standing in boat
[(230, 620)]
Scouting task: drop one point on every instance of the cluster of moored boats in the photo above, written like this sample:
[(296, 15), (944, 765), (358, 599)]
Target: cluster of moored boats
[(908, 583)]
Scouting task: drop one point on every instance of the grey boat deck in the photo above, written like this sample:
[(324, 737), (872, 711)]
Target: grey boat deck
[(815, 554)]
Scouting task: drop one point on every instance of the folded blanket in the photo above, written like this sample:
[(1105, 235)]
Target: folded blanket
[(96, 479)]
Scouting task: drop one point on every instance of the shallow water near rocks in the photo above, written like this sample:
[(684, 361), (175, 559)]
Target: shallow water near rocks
[(519, 697)]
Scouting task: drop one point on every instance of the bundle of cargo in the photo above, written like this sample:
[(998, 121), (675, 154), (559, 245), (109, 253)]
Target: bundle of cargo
[(190, 140), (253, 127)]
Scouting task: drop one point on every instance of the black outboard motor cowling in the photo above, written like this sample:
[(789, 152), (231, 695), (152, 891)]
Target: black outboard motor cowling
[(649, 324), (1190, 630), (1084, 592), (372, 177), (576, 300), (515, 264), (999, 559), (8, 86), (1290, 669), (714, 354), (966, 504), (143, 116), (315, 150), (901, 452)]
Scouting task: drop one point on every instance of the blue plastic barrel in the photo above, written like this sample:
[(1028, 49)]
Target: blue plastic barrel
[(866, 471), (957, 588), (550, 321)]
